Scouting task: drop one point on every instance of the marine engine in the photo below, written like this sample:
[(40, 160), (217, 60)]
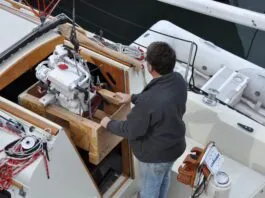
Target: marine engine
[(68, 81)]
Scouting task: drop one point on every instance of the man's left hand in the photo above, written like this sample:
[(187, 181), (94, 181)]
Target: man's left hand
[(104, 122)]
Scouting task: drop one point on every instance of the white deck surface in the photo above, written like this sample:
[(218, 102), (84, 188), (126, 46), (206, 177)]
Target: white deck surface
[(13, 28), (245, 181)]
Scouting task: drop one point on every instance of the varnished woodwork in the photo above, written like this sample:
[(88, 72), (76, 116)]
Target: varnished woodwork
[(89, 44), (86, 134), (29, 118), (28, 61)]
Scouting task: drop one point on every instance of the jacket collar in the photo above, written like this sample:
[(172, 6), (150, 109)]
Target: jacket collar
[(161, 79)]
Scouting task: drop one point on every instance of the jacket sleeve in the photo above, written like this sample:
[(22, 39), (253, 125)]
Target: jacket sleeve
[(135, 126), (134, 98)]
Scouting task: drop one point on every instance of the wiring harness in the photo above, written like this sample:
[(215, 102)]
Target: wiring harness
[(19, 154)]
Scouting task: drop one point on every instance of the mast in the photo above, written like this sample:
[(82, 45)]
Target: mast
[(222, 11)]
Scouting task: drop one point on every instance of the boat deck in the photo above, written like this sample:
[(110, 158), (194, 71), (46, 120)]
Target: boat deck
[(245, 181), (15, 29)]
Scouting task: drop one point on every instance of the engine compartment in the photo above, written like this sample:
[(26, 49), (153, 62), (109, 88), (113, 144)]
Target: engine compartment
[(74, 92)]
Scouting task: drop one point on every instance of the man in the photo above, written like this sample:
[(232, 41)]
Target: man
[(154, 127)]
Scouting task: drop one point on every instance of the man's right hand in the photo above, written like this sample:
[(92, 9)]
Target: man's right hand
[(123, 98)]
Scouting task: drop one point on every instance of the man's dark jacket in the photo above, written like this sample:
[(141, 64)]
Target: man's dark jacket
[(154, 127)]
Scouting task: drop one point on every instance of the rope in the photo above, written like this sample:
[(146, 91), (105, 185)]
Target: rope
[(20, 154), (5, 177), (130, 51), (43, 10)]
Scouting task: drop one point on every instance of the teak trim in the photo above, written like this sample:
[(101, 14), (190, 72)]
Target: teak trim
[(25, 116), (28, 61), (89, 44)]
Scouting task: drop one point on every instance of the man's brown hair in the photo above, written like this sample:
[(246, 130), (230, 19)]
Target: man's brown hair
[(161, 57)]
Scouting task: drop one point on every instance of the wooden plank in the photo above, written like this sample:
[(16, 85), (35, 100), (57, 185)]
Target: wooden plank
[(121, 113), (127, 154), (107, 141), (28, 61), (85, 133), (114, 75), (104, 143), (99, 114), (127, 83), (81, 135), (31, 119), (88, 43), (81, 128), (84, 54), (126, 158), (17, 5), (109, 96), (23, 11), (69, 116), (30, 102), (110, 108), (61, 122)]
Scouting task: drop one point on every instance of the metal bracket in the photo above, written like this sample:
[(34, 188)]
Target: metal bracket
[(211, 99)]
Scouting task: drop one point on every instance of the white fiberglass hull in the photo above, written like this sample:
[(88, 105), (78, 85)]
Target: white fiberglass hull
[(222, 11)]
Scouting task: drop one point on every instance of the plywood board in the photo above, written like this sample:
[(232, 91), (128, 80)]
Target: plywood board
[(85, 133)]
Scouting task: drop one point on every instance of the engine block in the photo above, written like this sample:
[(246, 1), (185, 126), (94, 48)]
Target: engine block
[(67, 79)]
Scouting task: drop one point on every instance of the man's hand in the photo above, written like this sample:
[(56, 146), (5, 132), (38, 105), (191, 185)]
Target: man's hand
[(123, 98), (104, 122)]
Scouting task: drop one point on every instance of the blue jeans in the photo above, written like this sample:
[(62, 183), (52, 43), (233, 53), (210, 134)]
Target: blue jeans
[(154, 179)]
